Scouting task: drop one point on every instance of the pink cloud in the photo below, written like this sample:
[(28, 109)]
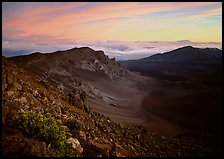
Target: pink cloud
[(41, 25)]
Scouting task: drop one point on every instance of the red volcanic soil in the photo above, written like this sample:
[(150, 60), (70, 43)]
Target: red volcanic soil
[(199, 112), (125, 94), (122, 103)]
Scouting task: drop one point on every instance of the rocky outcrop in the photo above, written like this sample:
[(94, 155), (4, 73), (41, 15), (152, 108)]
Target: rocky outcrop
[(77, 99), (16, 145)]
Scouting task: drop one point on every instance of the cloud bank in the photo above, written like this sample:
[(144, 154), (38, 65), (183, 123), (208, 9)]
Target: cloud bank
[(121, 50), (125, 30)]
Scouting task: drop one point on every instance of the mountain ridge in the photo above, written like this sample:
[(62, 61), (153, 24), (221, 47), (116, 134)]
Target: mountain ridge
[(108, 105), (185, 54), (84, 58)]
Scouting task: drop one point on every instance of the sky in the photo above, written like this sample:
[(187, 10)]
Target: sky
[(125, 30)]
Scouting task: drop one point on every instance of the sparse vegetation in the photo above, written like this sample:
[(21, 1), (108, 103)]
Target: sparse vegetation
[(46, 128), (74, 124)]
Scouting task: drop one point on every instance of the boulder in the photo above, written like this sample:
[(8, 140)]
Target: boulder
[(76, 145)]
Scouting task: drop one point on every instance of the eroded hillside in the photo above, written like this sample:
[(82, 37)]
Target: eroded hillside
[(25, 90)]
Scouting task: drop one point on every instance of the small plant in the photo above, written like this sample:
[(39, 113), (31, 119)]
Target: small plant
[(46, 128), (74, 124)]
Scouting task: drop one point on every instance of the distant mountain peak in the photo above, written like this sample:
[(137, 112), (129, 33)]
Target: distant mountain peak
[(187, 54), (188, 46), (81, 48), (191, 47)]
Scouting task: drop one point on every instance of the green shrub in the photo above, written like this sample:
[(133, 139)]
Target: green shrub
[(46, 128), (74, 124)]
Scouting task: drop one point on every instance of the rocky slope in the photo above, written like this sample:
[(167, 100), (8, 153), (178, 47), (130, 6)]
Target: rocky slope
[(67, 68), (107, 85), (100, 136)]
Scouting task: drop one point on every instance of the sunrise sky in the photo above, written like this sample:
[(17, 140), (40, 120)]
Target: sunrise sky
[(46, 25)]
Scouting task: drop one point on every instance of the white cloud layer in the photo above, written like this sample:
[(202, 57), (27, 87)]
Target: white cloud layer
[(135, 50), (119, 49)]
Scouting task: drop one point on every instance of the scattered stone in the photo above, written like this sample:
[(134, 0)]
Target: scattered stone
[(23, 100), (121, 125), (132, 147), (10, 93), (45, 99), (105, 141), (82, 135), (138, 136), (99, 155)]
